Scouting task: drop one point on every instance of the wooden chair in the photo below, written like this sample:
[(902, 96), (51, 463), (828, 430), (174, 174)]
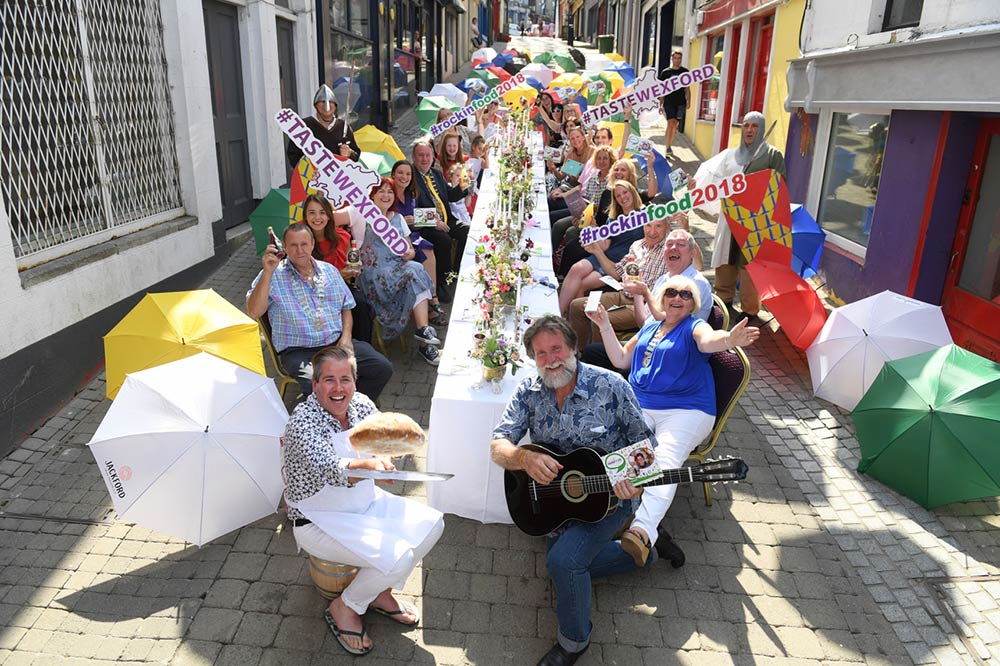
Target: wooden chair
[(283, 377), (380, 343), (731, 372)]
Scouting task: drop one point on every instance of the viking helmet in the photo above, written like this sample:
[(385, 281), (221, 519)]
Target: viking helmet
[(324, 94)]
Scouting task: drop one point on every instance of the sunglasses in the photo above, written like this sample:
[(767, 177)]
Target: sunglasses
[(685, 294)]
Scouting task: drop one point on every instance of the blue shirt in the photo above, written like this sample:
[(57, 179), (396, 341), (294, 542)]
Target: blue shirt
[(678, 375), (305, 314), (600, 413)]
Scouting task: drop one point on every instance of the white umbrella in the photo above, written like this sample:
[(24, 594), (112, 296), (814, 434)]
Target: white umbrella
[(192, 448), (485, 53), (860, 337), (449, 91), (539, 72), (597, 62)]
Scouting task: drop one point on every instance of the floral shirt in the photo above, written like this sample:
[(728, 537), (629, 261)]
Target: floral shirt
[(601, 413), (308, 460)]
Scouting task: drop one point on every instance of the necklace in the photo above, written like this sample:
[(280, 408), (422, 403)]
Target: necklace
[(304, 299), (651, 345)]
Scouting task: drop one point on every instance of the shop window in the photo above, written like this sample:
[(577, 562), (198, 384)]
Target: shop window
[(901, 14), (714, 55), (758, 62), (851, 176)]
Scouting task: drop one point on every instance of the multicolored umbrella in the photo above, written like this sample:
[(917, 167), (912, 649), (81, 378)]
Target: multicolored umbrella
[(487, 76), (574, 81), (378, 162), (660, 167), (449, 91), (374, 140), (786, 295), (485, 53), (760, 212), (928, 427), (427, 110), (534, 83), (539, 71), (613, 79), (807, 242), (500, 72), (615, 57), (513, 96), (625, 70)]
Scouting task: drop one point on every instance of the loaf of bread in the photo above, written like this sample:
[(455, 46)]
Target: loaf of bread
[(388, 434)]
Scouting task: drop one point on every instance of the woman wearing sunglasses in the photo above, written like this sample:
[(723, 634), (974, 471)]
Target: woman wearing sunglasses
[(672, 380)]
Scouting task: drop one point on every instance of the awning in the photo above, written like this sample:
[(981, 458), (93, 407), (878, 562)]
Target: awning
[(942, 73), (459, 7)]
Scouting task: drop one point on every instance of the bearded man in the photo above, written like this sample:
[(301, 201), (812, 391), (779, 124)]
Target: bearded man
[(567, 406)]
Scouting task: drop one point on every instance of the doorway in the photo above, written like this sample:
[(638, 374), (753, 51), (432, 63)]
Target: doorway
[(971, 299), (222, 36)]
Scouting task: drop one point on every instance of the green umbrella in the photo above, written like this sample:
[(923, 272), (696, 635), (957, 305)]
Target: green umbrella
[(427, 110), (378, 162), (545, 58), (564, 61), (271, 212), (929, 427), (486, 75)]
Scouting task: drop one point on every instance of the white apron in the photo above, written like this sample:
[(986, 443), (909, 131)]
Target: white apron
[(713, 171), (377, 526)]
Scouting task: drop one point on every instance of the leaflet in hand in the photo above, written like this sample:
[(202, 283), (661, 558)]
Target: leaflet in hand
[(596, 87), (552, 153), (638, 145), (572, 168), (424, 218), (678, 178), (635, 463)]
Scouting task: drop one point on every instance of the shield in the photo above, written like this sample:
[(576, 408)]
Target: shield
[(860, 337), (786, 295), (760, 212), (807, 242), (374, 140), (192, 448), (169, 326), (381, 163), (538, 71), (450, 92), (427, 110), (272, 212), (928, 427)]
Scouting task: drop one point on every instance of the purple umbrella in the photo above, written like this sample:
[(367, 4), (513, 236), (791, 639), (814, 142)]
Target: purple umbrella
[(807, 242)]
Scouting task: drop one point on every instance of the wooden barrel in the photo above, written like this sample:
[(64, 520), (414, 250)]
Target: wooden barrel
[(330, 578)]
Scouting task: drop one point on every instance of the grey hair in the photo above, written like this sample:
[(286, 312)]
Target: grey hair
[(552, 324)]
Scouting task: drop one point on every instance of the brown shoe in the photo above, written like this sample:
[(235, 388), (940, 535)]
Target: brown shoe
[(636, 546)]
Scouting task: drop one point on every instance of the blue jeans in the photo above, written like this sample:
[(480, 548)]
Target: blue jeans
[(577, 554)]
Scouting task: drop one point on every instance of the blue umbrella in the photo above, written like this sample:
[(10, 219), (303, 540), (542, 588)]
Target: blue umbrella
[(625, 70), (502, 59), (661, 168), (807, 242), (582, 101), (484, 65), (534, 83), (472, 83)]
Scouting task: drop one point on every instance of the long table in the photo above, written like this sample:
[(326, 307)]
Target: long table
[(463, 414)]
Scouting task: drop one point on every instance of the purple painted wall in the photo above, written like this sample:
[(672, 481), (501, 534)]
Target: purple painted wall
[(955, 165), (799, 167), (906, 167)]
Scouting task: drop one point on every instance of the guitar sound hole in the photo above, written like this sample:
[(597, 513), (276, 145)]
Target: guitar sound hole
[(572, 487)]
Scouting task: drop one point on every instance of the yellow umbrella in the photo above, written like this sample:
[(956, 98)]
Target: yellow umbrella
[(613, 79), (170, 326), (615, 57), (571, 80), (617, 132), (513, 96), (373, 140)]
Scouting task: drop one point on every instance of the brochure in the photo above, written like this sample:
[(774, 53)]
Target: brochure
[(424, 218), (596, 87), (636, 463), (572, 168), (638, 145)]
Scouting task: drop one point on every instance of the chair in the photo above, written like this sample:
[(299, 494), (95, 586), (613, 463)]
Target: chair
[(265, 335), (731, 372), (718, 318), (380, 342)]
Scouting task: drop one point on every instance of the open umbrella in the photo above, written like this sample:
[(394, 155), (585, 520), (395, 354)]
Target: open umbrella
[(928, 427), (500, 72), (660, 167), (807, 242), (860, 337), (786, 295), (485, 53), (271, 212), (169, 326), (534, 83), (374, 140), (192, 448), (502, 59), (427, 110), (574, 81), (513, 67), (513, 96), (760, 212), (475, 84), (578, 57), (597, 62), (615, 57), (539, 71), (565, 61), (544, 58), (487, 76), (625, 70), (449, 91), (380, 163)]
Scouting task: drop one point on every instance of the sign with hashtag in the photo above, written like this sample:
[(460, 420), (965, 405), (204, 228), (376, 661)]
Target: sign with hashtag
[(646, 93), (341, 181), (477, 104)]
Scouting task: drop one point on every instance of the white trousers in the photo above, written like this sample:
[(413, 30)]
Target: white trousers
[(678, 432), (370, 582)]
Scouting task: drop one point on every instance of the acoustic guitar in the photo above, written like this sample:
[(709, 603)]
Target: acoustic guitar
[(582, 490)]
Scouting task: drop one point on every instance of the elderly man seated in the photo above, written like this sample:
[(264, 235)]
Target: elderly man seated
[(309, 307), (678, 256)]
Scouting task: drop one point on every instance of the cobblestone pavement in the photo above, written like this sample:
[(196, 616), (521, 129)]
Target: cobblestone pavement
[(806, 563)]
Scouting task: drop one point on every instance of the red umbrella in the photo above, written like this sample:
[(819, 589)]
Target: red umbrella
[(502, 73), (761, 212), (478, 61), (786, 295)]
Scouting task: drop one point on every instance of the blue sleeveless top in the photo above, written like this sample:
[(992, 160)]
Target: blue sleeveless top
[(678, 375)]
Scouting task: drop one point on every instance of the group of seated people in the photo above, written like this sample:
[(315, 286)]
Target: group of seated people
[(657, 384)]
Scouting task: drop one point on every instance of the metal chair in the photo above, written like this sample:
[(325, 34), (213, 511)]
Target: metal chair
[(731, 372), (379, 341), (283, 377), (718, 318)]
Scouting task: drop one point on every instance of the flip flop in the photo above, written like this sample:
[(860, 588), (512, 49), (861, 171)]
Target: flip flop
[(339, 634), (403, 609)]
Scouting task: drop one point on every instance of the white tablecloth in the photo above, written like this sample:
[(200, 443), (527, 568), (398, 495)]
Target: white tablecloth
[(462, 416)]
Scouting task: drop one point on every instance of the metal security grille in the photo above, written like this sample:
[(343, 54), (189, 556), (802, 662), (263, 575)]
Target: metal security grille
[(87, 138)]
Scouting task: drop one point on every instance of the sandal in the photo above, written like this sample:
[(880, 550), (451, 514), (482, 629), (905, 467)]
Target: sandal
[(339, 634), (403, 609), (436, 306), (636, 546), (438, 320)]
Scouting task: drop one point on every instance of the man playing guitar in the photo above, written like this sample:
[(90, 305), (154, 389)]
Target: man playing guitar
[(571, 405)]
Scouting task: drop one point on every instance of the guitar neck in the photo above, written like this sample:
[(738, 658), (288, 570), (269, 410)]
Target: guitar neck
[(601, 483)]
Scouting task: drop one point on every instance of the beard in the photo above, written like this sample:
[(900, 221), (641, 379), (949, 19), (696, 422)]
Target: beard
[(557, 375)]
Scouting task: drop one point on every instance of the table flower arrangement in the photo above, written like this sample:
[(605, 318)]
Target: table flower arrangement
[(496, 352)]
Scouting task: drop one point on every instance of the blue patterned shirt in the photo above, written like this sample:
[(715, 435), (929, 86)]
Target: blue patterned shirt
[(601, 413), (305, 314)]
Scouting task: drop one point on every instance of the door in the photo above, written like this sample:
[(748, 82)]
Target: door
[(732, 55), (762, 65), (222, 35), (971, 299)]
